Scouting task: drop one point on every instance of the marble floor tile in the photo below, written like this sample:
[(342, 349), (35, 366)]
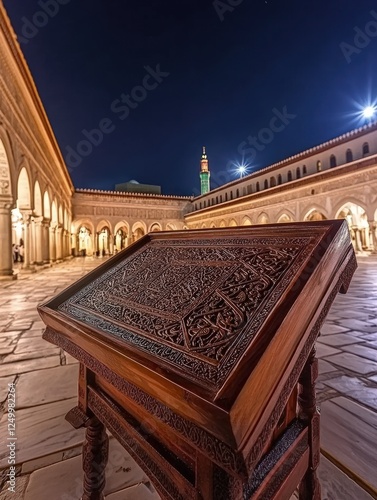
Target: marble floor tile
[(349, 435), (339, 339), (352, 362), (335, 485), (63, 480), (324, 350), (363, 351), (325, 367), (355, 389), (329, 328), (46, 386), (41, 431), (28, 365)]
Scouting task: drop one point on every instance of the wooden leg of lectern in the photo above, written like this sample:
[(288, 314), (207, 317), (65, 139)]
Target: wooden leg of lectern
[(309, 488), (94, 459)]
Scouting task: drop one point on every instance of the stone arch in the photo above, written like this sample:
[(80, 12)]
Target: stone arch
[(285, 216), (357, 220), (83, 237), (349, 200), (7, 166), (46, 206), (7, 199), (65, 219), (154, 227), (313, 207), (54, 213), (232, 223), (139, 229), (263, 218), (122, 224), (315, 214), (23, 190), (171, 227), (104, 238), (103, 223), (121, 235), (246, 221), (38, 205), (222, 223), (203, 226), (212, 225), (60, 214)]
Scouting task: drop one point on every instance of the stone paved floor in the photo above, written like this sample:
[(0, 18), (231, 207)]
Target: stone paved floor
[(48, 448)]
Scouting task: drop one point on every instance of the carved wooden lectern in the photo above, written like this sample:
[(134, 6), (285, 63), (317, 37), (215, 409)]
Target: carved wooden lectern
[(196, 351)]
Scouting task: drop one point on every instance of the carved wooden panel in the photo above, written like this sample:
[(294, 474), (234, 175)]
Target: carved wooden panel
[(196, 305)]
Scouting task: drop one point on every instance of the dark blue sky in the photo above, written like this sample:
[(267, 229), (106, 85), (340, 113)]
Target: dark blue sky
[(225, 78)]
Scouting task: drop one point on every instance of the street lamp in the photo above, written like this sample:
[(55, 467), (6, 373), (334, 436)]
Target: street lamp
[(368, 112)]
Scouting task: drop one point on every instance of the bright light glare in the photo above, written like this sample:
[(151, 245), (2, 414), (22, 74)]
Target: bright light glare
[(368, 111)]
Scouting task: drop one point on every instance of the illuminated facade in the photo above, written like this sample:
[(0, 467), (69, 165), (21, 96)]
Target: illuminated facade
[(41, 211)]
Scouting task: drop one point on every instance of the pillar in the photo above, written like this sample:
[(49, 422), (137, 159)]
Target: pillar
[(38, 238), (26, 239), (46, 241), (6, 255), (58, 243), (372, 228), (32, 241), (52, 243), (359, 246)]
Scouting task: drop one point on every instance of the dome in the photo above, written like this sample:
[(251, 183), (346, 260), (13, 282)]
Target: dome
[(133, 182)]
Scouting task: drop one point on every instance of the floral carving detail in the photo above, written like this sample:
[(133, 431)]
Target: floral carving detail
[(196, 304)]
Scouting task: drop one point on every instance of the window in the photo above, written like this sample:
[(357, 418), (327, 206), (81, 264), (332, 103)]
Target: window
[(272, 182), (249, 189), (221, 198), (217, 200), (213, 201), (237, 193), (231, 195), (365, 149), (226, 196), (257, 188), (289, 176), (200, 206), (332, 161), (280, 179), (319, 165), (349, 156), (298, 173), (266, 184), (304, 171)]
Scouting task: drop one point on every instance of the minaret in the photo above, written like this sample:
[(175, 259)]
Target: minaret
[(204, 173)]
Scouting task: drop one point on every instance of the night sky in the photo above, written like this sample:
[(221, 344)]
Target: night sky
[(221, 74)]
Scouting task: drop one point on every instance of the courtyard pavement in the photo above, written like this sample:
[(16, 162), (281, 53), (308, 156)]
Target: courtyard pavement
[(48, 448)]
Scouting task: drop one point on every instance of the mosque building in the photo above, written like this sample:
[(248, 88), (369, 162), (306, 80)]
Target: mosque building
[(41, 209)]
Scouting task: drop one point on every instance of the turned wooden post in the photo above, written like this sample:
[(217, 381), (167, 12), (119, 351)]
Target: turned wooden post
[(94, 459), (309, 488)]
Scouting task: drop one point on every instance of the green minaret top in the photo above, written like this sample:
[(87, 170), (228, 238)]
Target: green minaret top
[(204, 173)]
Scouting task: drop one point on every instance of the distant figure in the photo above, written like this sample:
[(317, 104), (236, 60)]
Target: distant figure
[(15, 252), (21, 252)]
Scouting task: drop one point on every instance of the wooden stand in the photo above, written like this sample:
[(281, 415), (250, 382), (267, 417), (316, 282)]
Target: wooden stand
[(196, 352)]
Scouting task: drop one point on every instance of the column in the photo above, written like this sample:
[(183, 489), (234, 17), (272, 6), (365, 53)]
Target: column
[(32, 241), (111, 244), (359, 246), (38, 226), (58, 238), (26, 239), (6, 256), (52, 243), (372, 228), (46, 241)]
